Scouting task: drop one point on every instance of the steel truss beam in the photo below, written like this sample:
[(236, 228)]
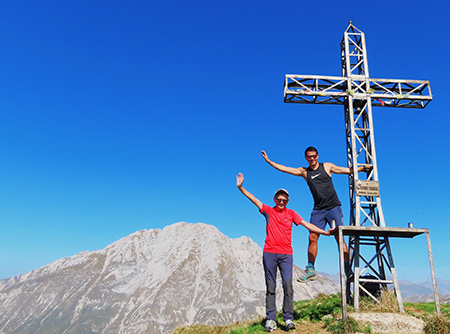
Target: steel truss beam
[(333, 90)]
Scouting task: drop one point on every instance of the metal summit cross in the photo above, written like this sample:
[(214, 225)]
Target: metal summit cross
[(358, 93)]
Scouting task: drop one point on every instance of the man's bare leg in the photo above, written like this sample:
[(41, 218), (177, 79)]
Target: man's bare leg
[(310, 274)]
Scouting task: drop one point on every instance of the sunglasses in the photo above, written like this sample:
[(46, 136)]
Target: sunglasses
[(282, 200)]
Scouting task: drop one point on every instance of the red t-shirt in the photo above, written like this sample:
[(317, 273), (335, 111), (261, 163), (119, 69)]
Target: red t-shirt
[(279, 229)]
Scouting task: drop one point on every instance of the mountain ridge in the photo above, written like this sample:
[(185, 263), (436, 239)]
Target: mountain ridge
[(151, 281)]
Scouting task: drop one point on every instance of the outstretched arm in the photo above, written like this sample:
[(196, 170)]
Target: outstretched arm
[(314, 228), (300, 171), (249, 195), (332, 168)]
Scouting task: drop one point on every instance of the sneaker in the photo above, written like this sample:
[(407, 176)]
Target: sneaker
[(348, 272), (270, 326), (290, 325), (309, 276)]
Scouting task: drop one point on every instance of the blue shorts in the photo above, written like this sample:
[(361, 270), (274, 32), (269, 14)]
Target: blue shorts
[(320, 218)]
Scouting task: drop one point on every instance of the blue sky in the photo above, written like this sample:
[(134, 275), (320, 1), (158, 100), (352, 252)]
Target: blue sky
[(118, 116)]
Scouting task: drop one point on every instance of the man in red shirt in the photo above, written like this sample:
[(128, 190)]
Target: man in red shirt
[(278, 251)]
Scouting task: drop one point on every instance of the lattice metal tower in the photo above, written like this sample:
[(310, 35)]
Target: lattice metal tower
[(358, 93)]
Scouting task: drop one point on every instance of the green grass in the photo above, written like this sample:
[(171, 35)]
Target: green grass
[(435, 324), (347, 326), (315, 309), (250, 328), (429, 308)]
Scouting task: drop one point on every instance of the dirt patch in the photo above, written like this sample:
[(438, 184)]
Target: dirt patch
[(390, 323)]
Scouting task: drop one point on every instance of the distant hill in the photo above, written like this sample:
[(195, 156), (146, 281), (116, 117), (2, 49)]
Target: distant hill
[(151, 281), (421, 291)]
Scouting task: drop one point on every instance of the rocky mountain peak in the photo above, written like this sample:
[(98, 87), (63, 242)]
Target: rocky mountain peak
[(151, 281)]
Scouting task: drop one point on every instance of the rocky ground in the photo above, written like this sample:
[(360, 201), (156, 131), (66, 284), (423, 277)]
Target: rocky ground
[(380, 323), (390, 323)]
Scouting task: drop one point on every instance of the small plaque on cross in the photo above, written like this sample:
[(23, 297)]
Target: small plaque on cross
[(367, 188)]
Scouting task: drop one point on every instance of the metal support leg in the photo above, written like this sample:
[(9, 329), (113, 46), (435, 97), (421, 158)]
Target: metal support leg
[(433, 275), (356, 276), (394, 276), (343, 280)]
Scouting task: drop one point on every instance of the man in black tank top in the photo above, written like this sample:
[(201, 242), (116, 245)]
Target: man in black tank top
[(327, 207)]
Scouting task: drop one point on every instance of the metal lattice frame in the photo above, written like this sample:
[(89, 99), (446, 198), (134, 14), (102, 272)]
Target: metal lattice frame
[(357, 92), (333, 90)]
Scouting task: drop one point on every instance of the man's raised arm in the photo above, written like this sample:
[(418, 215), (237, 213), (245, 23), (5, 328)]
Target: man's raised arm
[(249, 195), (300, 171), (332, 168)]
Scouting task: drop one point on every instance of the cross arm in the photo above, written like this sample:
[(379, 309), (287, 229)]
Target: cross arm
[(314, 89), (334, 90), (400, 93)]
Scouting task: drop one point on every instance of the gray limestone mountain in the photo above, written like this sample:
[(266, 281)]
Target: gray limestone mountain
[(151, 281)]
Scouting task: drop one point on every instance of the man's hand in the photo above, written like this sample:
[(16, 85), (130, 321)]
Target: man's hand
[(327, 233), (367, 167), (300, 171), (239, 180), (249, 195)]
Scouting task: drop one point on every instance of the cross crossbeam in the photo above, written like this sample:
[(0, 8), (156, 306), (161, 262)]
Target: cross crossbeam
[(381, 92)]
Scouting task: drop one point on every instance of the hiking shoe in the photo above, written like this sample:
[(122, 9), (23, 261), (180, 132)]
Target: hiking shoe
[(270, 326), (290, 325), (309, 276), (348, 272)]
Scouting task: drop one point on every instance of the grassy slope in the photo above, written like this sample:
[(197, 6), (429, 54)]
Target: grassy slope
[(309, 314)]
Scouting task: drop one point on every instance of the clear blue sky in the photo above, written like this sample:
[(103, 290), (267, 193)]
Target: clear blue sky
[(118, 116)]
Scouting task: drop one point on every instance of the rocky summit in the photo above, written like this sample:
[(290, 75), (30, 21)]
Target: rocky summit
[(151, 281)]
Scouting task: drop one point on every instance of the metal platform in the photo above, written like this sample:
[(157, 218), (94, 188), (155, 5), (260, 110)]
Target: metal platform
[(382, 234), (375, 231)]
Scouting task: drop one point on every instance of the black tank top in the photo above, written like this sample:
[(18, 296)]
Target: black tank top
[(322, 189)]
